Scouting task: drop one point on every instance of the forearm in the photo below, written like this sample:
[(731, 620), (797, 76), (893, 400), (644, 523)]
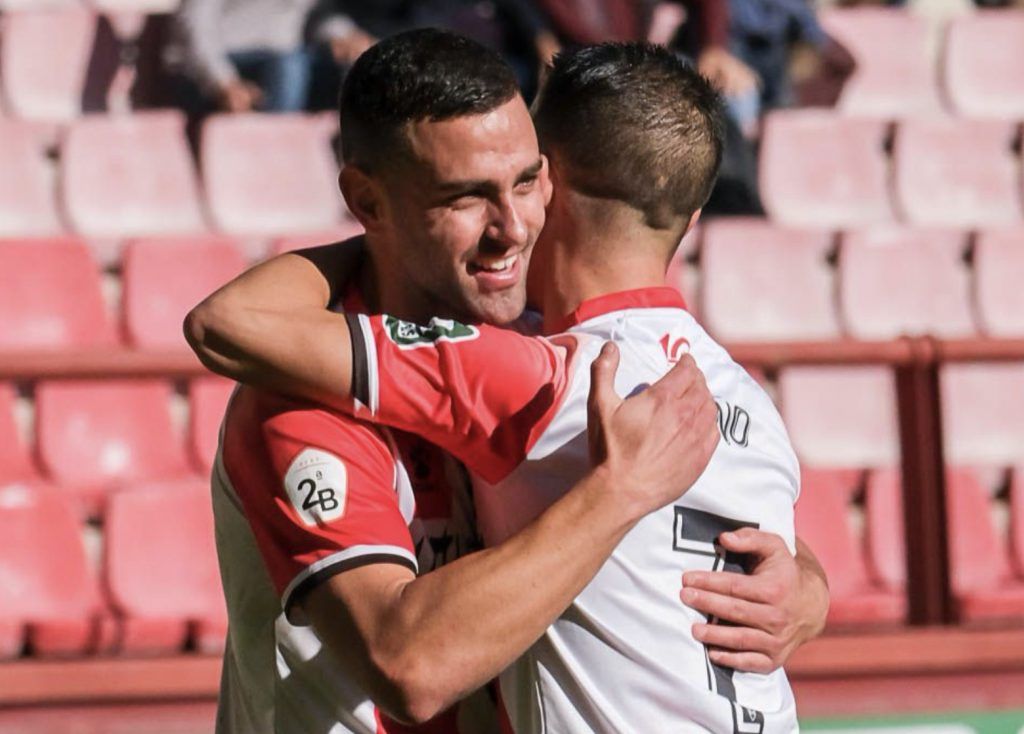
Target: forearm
[(461, 625), (815, 581)]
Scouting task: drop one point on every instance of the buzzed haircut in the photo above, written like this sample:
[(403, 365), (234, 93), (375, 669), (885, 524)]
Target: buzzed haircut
[(636, 123), (423, 74)]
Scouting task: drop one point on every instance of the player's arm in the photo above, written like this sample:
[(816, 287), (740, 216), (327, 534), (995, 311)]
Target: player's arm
[(276, 313), (419, 644), (780, 605)]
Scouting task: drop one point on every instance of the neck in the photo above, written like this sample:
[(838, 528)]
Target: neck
[(589, 257), (385, 291)]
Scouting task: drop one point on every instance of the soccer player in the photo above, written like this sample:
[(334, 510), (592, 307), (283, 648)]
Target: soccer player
[(634, 140), (323, 521)]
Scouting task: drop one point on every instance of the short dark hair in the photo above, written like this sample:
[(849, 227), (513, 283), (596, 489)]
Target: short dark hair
[(423, 74), (633, 122)]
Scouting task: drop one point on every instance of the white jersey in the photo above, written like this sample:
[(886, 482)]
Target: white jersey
[(622, 658)]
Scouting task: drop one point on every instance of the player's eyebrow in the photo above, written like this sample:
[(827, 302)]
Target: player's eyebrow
[(531, 172), (486, 186)]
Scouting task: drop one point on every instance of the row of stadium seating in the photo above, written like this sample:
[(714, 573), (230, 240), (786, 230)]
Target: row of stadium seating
[(980, 71)]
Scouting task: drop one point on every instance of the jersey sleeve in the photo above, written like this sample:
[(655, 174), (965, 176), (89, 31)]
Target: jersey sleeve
[(482, 393), (320, 493)]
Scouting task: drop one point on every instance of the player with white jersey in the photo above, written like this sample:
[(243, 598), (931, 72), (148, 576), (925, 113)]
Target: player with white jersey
[(634, 140)]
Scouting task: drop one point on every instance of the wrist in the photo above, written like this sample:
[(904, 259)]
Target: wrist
[(609, 487)]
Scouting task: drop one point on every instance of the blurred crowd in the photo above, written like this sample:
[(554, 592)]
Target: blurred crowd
[(290, 55)]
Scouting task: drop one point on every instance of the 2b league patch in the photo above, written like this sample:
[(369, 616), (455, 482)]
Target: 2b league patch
[(317, 486)]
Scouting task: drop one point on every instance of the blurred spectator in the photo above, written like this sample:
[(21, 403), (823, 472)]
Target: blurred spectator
[(243, 55)]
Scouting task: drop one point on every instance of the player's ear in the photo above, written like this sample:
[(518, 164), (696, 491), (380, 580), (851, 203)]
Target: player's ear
[(545, 179), (362, 195), (693, 222)]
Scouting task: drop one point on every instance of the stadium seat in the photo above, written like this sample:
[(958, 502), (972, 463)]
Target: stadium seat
[(15, 464), (983, 413), (208, 397), (1017, 519), (50, 296), (130, 176), (165, 533), (822, 522), (884, 532), (94, 436), (348, 228), (954, 172), (984, 64), (28, 190), (163, 279), (824, 171), (269, 175), (682, 273), (998, 274), (841, 416), (980, 573), (766, 283), (43, 61), (894, 282), (49, 596), (895, 75)]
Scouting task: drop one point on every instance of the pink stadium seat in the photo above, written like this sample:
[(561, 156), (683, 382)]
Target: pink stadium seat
[(822, 522), (349, 228), (821, 170), (766, 283), (898, 281), (984, 64), (682, 273), (49, 596), (15, 465), (43, 61), (955, 172), (143, 545), (208, 397), (50, 296), (983, 413), (998, 274), (268, 175), (980, 573), (894, 75), (1017, 519), (96, 436), (841, 416), (28, 192), (883, 528), (163, 279), (130, 176)]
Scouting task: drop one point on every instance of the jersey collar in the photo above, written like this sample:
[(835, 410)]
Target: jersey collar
[(659, 297)]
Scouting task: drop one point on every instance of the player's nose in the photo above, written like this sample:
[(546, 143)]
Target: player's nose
[(506, 224)]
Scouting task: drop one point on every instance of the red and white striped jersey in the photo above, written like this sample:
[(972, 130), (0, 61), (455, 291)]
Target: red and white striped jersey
[(513, 408), (301, 493)]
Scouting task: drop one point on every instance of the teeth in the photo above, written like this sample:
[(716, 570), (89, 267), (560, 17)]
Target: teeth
[(496, 266)]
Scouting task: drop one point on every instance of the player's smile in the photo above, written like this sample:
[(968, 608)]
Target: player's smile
[(496, 273)]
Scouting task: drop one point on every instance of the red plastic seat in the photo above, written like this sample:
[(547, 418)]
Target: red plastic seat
[(984, 64), (841, 416), (822, 170), (49, 596), (898, 281), (762, 283), (954, 172), (983, 413), (163, 279), (1017, 520), (50, 296), (208, 397), (43, 61), (349, 228), (94, 436), (28, 194), (143, 544), (15, 464), (822, 522), (268, 175), (130, 176), (980, 573), (895, 75), (998, 274)]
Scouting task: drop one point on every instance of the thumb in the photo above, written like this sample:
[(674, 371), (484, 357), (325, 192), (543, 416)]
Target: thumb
[(753, 542), (603, 398)]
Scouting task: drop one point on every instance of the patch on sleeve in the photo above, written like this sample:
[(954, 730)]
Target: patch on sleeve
[(317, 486), (408, 335)]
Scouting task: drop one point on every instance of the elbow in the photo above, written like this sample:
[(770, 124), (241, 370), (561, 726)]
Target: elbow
[(413, 691), (201, 328)]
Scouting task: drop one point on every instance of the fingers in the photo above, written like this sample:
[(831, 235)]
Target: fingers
[(736, 639), (736, 585), (753, 541), (738, 611), (602, 378), (747, 662), (684, 376)]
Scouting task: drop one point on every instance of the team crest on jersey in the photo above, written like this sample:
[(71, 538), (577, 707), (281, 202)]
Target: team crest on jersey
[(317, 486), (408, 335)]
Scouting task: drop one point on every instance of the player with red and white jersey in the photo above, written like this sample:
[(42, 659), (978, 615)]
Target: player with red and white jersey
[(614, 661), (634, 140)]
